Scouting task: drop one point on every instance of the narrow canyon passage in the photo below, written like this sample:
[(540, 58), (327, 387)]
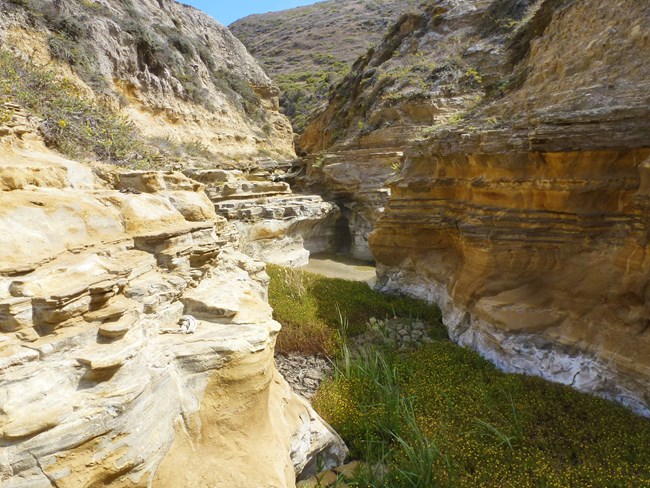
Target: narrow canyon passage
[(373, 244), (341, 266)]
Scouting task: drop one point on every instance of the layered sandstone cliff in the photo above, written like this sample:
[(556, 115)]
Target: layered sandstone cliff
[(273, 224), (431, 67), (136, 343), (179, 75), (528, 222)]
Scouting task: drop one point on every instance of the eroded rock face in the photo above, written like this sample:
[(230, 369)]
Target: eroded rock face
[(273, 224), (98, 386), (529, 222), (357, 180), (177, 73), (430, 67)]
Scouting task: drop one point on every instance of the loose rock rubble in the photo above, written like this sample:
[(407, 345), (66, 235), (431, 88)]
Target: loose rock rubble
[(304, 373), (333, 478), (403, 334)]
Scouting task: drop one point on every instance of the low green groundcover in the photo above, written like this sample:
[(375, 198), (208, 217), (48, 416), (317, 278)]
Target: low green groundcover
[(491, 429), (310, 308), (443, 416)]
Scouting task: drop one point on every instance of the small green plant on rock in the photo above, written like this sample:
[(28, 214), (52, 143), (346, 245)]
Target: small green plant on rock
[(397, 166), (473, 76)]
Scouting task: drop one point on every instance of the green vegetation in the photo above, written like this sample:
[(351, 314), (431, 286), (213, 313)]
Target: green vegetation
[(473, 76), (413, 75), (71, 123), (442, 415), (178, 150), (310, 306), (80, 127), (304, 93)]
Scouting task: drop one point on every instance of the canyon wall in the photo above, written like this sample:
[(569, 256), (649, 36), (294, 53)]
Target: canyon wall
[(136, 341), (273, 224), (174, 71), (430, 67), (528, 220)]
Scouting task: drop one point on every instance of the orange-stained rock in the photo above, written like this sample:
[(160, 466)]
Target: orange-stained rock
[(540, 261), (529, 222)]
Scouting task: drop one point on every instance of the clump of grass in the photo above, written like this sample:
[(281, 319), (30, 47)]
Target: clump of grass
[(377, 377), (159, 48), (305, 92), (182, 150), (388, 437), (72, 123), (416, 453), (310, 306)]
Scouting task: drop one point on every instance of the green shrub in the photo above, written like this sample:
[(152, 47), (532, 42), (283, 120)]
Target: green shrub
[(72, 123), (182, 150), (304, 93), (482, 427)]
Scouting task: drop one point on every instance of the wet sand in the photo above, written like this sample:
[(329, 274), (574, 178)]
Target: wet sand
[(336, 266)]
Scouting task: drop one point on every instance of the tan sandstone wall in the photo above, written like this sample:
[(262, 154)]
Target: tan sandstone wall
[(529, 221)]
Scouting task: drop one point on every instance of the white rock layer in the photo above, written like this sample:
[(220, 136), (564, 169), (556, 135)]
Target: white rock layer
[(519, 353)]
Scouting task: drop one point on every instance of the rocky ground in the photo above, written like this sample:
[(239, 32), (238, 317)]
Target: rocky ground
[(272, 223), (303, 372)]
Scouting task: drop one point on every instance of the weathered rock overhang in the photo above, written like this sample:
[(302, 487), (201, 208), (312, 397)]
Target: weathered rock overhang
[(356, 181)]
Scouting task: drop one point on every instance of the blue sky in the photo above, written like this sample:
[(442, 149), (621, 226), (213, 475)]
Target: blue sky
[(227, 11)]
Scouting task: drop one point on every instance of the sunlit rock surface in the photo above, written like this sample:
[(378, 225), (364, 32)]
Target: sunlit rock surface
[(529, 221), (98, 386), (273, 224)]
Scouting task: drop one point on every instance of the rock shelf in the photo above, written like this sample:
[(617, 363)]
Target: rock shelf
[(91, 390)]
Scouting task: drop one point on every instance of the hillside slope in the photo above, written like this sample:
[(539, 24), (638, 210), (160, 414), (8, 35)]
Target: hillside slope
[(306, 49), (179, 76)]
